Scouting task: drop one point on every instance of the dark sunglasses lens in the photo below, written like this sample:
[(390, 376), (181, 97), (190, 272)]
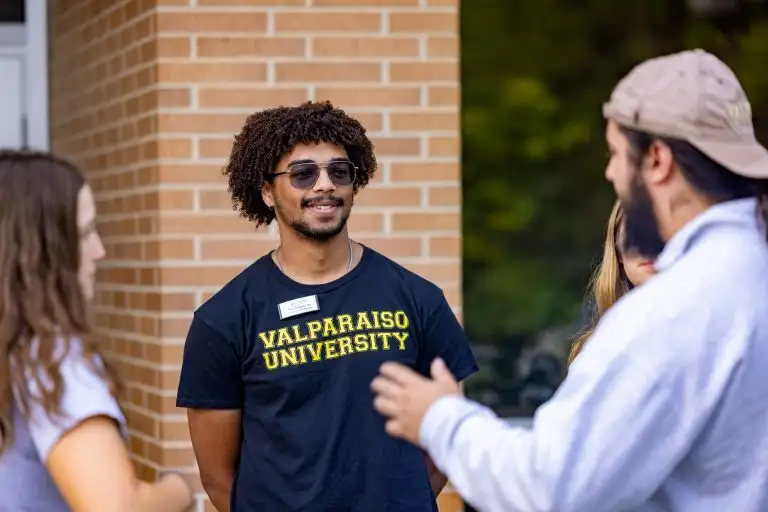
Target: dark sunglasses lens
[(304, 175), (342, 174)]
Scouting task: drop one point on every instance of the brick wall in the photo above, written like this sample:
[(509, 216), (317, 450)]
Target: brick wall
[(104, 118), (146, 96)]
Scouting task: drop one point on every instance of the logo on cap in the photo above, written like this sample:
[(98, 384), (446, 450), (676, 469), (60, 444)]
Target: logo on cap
[(739, 112)]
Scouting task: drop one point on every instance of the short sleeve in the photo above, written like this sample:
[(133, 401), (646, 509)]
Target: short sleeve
[(211, 376), (85, 395), (444, 337)]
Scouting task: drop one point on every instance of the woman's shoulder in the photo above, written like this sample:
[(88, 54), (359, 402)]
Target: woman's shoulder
[(84, 393)]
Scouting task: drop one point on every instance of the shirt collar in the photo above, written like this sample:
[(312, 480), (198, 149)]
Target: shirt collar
[(740, 212)]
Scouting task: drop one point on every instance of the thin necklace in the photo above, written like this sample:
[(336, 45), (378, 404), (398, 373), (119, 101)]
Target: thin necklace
[(280, 266)]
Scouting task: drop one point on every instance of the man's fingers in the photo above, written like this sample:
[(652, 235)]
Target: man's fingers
[(395, 429), (440, 371), (386, 387), (399, 373), (385, 406)]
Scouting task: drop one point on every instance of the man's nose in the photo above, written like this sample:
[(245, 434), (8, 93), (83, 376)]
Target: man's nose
[(608, 174), (324, 182)]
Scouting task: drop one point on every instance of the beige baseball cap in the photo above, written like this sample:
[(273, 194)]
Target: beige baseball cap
[(693, 96)]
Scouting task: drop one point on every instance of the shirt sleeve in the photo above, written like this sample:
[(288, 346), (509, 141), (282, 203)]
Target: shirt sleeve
[(85, 395), (444, 337), (211, 376), (624, 418)]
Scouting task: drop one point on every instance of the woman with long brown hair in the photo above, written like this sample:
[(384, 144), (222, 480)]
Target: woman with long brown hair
[(62, 433), (617, 273)]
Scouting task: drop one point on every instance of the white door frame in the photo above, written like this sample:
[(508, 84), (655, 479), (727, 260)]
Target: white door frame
[(30, 43), (37, 75)]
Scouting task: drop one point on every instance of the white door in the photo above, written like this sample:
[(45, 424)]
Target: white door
[(12, 111), (23, 74)]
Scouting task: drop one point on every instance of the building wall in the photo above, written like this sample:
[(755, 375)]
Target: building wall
[(146, 96)]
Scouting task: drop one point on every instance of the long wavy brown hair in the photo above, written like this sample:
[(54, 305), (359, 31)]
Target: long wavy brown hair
[(41, 299), (609, 281)]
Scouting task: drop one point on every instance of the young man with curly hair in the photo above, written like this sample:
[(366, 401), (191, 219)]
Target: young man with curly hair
[(277, 365)]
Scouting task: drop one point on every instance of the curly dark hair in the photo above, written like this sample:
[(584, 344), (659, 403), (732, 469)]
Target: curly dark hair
[(271, 134)]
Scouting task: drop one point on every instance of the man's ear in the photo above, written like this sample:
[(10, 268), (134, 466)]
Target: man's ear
[(266, 195), (659, 162)]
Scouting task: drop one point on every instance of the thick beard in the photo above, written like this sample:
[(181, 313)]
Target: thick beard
[(641, 227)]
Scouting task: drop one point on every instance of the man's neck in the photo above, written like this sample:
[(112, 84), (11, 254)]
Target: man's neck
[(681, 212), (314, 262)]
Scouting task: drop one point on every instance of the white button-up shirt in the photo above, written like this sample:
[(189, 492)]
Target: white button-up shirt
[(666, 408)]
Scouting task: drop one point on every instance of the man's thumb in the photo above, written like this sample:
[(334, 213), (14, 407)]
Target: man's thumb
[(439, 371)]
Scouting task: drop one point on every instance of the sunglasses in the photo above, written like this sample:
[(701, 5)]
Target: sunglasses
[(304, 174)]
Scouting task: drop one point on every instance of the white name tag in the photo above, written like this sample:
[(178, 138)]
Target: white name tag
[(298, 306)]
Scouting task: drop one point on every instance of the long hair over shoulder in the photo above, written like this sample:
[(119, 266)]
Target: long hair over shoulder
[(42, 307)]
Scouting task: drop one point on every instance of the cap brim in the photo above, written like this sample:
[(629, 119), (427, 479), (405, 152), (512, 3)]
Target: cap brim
[(748, 158)]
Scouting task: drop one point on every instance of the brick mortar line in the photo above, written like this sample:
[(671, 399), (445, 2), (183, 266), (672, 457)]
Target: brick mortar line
[(220, 212), (293, 9), (192, 289), (165, 263), (260, 237), (263, 237), (161, 135)]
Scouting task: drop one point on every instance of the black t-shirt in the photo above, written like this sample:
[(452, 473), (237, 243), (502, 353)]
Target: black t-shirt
[(312, 440)]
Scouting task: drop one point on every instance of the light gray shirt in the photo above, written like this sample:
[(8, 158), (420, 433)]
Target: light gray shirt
[(25, 485), (666, 408)]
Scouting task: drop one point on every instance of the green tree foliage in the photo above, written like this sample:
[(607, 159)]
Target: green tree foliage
[(534, 77)]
